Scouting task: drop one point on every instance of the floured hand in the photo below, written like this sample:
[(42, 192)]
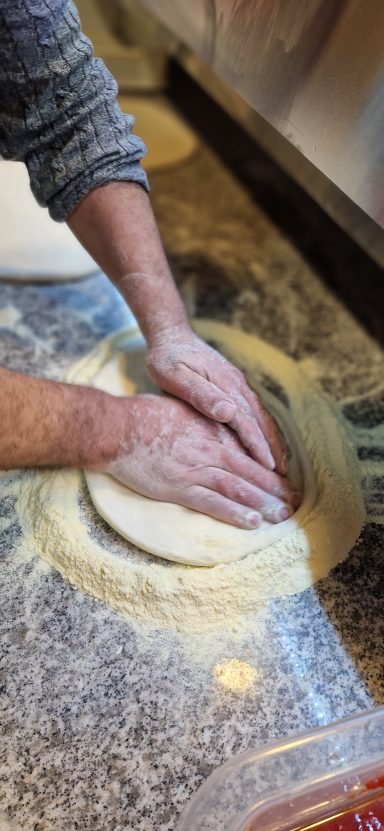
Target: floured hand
[(178, 361), (168, 451), (185, 366)]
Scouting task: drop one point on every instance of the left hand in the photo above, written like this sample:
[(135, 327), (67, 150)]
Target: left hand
[(182, 364)]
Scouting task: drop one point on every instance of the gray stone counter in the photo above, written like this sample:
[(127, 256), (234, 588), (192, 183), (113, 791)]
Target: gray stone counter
[(103, 729)]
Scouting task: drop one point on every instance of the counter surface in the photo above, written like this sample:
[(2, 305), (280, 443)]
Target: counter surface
[(102, 728)]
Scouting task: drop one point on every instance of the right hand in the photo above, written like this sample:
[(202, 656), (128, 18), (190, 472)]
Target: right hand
[(170, 452), (183, 365)]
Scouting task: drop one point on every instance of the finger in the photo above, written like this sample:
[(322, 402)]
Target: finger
[(238, 490), (202, 394), (252, 437), (268, 480), (211, 402), (270, 429), (219, 507)]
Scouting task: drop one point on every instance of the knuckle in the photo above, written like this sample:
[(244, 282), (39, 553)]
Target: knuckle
[(177, 369), (200, 498), (222, 433), (239, 491), (237, 514), (195, 396), (253, 474), (217, 479), (233, 444), (210, 500), (194, 497)]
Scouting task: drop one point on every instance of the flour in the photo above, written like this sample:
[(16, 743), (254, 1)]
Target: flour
[(53, 507), (235, 675), (370, 441)]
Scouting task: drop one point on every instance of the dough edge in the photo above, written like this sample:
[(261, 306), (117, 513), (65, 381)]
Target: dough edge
[(192, 598)]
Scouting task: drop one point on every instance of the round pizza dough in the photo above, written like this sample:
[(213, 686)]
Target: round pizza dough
[(168, 138), (32, 245), (58, 523), (172, 531)]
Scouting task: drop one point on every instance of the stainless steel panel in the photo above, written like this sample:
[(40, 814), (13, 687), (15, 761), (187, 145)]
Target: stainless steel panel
[(313, 69), (348, 215)]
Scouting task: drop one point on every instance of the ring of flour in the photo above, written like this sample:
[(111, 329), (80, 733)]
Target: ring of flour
[(185, 597)]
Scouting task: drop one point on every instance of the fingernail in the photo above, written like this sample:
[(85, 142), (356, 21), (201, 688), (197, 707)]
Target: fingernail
[(252, 518), (271, 460), (223, 411), (284, 513), (296, 499)]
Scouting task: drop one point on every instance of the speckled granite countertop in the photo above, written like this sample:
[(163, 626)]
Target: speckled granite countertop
[(101, 729)]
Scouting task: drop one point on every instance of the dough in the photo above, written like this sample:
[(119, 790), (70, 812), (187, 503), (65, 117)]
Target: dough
[(57, 521), (178, 533), (32, 245), (168, 138)]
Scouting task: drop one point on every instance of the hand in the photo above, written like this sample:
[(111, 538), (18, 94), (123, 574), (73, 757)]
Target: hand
[(168, 451), (185, 366)]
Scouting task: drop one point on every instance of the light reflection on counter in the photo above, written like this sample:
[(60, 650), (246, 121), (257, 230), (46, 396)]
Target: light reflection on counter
[(235, 675)]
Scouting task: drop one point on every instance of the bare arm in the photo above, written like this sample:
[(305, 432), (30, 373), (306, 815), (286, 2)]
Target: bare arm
[(58, 113), (52, 424), (160, 447), (116, 225)]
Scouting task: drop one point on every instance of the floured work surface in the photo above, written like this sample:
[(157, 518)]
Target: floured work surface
[(136, 713), (187, 598)]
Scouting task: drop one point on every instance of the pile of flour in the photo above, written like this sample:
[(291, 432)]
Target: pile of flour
[(52, 507)]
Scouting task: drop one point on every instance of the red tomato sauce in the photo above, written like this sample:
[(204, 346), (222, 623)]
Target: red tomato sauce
[(369, 816), (366, 815)]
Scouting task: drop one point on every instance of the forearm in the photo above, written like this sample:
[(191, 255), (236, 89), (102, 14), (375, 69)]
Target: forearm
[(115, 223), (44, 423)]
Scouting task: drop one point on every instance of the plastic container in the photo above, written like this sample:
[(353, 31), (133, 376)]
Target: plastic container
[(297, 783)]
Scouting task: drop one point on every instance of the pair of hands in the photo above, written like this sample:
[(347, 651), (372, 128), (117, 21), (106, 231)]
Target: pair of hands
[(211, 447)]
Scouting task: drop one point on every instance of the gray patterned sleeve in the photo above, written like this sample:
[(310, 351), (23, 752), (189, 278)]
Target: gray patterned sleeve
[(58, 109)]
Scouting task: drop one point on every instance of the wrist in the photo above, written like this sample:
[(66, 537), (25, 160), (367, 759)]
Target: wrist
[(156, 304), (107, 430), (177, 331)]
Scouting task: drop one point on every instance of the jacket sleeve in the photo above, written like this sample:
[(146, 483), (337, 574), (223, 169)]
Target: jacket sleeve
[(58, 108)]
